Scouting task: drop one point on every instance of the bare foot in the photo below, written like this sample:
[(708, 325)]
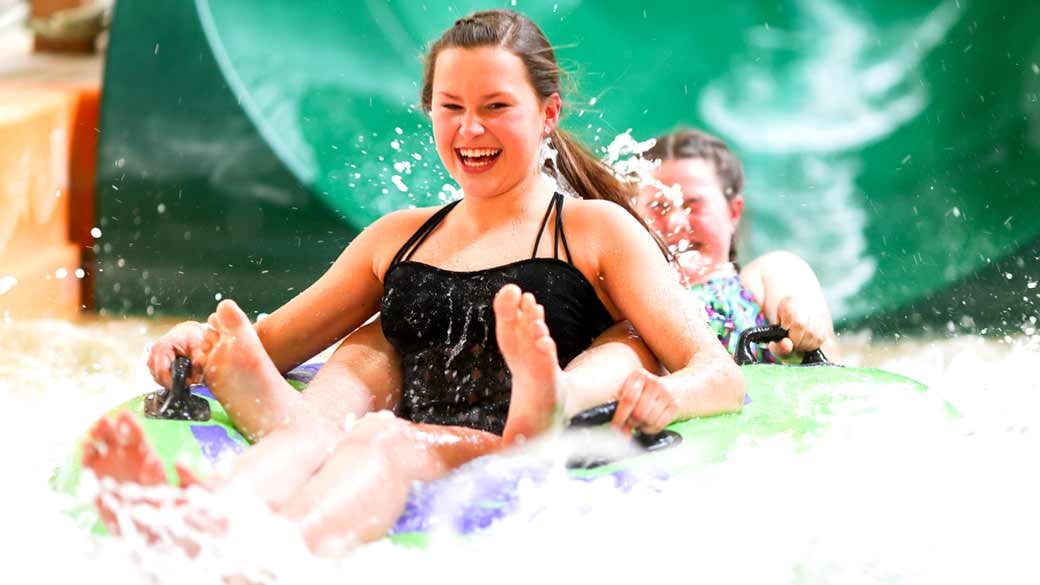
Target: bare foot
[(118, 454), (530, 353), (117, 449), (241, 374)]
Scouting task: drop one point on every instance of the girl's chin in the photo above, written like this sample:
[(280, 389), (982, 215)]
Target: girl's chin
[(478, 188)]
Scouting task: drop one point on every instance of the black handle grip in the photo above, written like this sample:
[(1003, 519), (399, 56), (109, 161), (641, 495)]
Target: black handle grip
[(766, 334), (177, 403), (593, 417), (180, 369), (604, 413)]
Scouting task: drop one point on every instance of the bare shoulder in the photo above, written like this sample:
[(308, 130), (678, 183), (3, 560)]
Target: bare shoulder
[(401, 220), (385, 236), (597, 218), (612, 239)]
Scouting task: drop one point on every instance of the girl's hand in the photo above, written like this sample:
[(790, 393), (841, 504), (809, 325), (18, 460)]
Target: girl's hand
[(185, 339), (807, 327), (644, 404)]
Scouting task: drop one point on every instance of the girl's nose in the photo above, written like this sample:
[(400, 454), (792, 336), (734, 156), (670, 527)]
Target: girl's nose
[(677, 219), (471, 126)]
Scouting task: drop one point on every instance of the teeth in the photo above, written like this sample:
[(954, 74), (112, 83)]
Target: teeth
[(478, 152)]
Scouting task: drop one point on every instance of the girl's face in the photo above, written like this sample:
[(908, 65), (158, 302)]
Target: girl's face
[(697, 217), (488, 122)]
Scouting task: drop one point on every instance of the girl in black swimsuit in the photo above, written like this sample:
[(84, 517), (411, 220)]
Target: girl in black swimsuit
[(441, 324), (482, 323)]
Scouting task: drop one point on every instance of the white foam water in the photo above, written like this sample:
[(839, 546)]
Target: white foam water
[(900, 497)]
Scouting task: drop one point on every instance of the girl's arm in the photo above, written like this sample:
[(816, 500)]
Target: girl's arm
[(643, 287), (790, 295), (343, 298), (337, 303), (350, 384)]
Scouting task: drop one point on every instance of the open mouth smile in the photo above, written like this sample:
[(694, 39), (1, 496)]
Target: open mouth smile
[(477, 159)]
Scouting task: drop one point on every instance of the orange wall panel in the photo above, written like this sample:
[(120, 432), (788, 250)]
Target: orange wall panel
[(38, 262)]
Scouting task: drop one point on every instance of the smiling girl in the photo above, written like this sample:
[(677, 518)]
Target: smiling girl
[(697, 214), (484, 300)]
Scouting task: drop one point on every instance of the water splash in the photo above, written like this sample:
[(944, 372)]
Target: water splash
[(897, 498), (551, 174)]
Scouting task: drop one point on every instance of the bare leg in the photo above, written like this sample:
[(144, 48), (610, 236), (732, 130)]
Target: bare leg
[(361, 375), (361, 490)]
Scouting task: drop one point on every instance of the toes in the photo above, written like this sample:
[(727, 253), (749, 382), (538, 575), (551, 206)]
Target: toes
[(97, 446), (530, 310), (507, 303), (537, 329), (546, 345), (230, 317), (152, 472), (521, 320), (102, 430), (209, 341), (127, 430), (185, 476), (528, 306)]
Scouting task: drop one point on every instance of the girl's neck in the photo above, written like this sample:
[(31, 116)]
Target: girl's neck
[(526, 197)]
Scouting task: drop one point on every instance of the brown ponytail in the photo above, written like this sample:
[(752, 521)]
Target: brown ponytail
[(591, 179), (586, 174)]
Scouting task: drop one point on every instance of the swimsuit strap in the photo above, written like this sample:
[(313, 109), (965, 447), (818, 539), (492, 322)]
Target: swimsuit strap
[(545, 221), (560, 234), (420, 235), (557, 204)]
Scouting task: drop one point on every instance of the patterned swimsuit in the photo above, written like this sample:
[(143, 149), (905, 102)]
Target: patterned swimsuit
[(731, 309)]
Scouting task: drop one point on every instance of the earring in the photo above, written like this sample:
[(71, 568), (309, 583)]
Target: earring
[(546, 152)]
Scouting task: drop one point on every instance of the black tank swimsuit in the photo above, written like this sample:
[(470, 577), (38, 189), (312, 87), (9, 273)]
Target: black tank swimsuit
[(442, 324)]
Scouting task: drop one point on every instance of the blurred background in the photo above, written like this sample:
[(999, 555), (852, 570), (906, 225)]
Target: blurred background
[(157, 156)]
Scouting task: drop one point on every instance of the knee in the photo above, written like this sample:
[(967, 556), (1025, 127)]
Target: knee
[(398, 443), (379, 427)]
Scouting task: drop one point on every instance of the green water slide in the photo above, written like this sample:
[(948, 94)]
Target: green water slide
[(894, 145)]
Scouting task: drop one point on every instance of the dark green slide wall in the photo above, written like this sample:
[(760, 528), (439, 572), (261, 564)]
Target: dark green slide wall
[(896, 146)]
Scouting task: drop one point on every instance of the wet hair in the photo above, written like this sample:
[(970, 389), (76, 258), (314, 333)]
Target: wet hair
[(575, 164), (687, 143)]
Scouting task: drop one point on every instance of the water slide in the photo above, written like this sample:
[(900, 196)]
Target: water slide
[(896, 146)]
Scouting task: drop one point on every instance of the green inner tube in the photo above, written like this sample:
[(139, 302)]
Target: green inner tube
[(799, 403)]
